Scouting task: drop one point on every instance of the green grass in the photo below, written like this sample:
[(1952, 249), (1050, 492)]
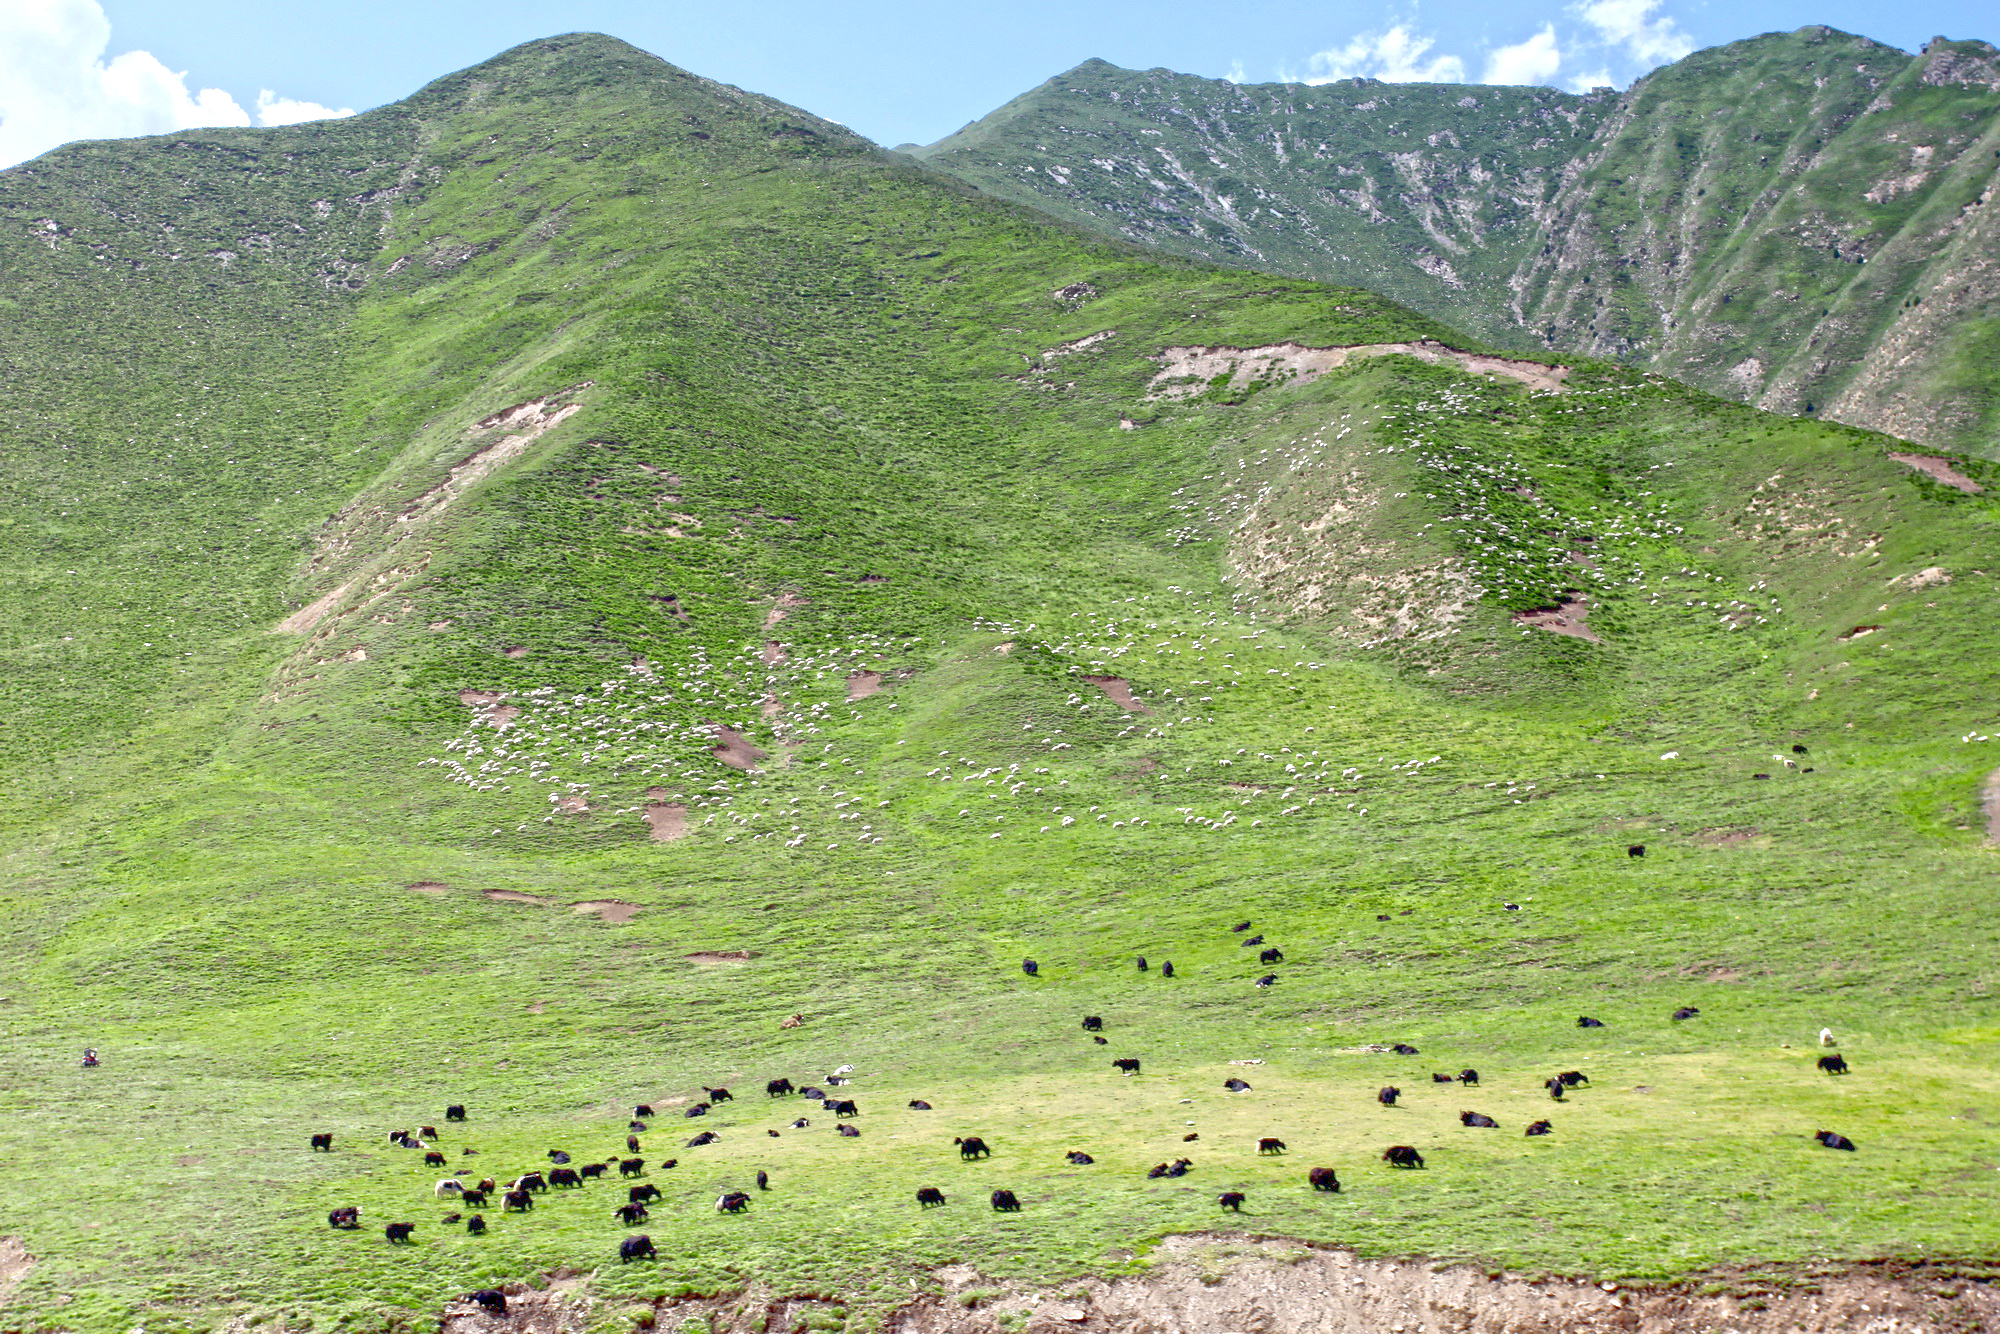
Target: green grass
[(810, 389)]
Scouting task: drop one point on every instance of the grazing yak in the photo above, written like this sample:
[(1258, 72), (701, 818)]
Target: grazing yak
[(531, 1181), (1469, 1076), (705, 1137), (1402, 1155), (399, 1233), (1006, 1202), (1686, 1012), (1240, 928), (1231, 1200), (1253, 940), (636, 1126), (557, 1156), (348, 1216), (1128, 1064), (970, 1147), (1571, 1078), (929, 1196), (1833, 1141), (591, 1171), (719, 1095), (476, 1225), (763, 1179), (1268, 980), (449, 1188), (919, 1105), (1236, 1085), (516, 1202), (844, 1107), (1030, 967), (1142, 963), (778, 1088), (1268, 1144), (1190, 1137), (628, 1214), (322, 1143), (433, 1159), (1833, 1065), (812, 1094), (1476, 1119), (1272, 955), (800, 1124), (732, 1202), (1093, 1023), (1555, 1086), (1323, 1178), (699, 1109), (455, 1112), (1540, 1128), (636, 1248), (1078, 1158), (1636, 850), (1585, 1021), (1388, 1095), (631, 1144), (472, 1198), (1437, 1078), (643, 1110), (565, 1177), (1167, 968), (492, 1300), (847, 1132), (1403, 1049), (428, 1132), (641, 1194)]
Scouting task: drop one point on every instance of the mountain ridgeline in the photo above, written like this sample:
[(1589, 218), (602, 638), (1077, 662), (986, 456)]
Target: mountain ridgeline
[(587, 587), (1801, 220)]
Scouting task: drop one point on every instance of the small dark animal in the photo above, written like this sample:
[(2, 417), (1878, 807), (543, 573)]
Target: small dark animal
[(628, 1214), (1323, 1178), (1686, 1012), (1005, 1202), (844, 1107), (1190, 1137), (1167, 968), (636, 1126), (800, 1124), (1030, 967), (732, 1202), (1585, 1021), (1540, 1128), (1102, 1042), (1231, 1200), (972, 1147), (643, 1110), (348, 1216), (929, 1196), (1078, 1158), (1381, 917), (1833, 1141), (455, 1112), (1240, 927), (777, 1088), (774, 1134), (1833, 1065), (699, 1109), (763, 1179), (1093, 1023), (1180, 1167), (323, 1143), (531, 1181), (476, 1225), (1402, 1155), (488, 1184), (558, 1156), (631, 1144), (1129, 1064), (719, 1095), (631, 1167), (636, 1248), (847, 1132), (565, 1177), (399, 1233), (1510, 907), (1636, 850), (1760, 775), (434, 1159), (1387, 1097), (640, 1194), (1475, 1119), (516, 1202), (1268, 979), (1142, 963), (428, 1132), (1270, 1145), (1272, 955), (492, 1299), (1571, 1078), (1404, 1049), (472, 1199), (1555, 1086), (1798, 750), (919, 1105), (705, 1137), (1236, 1085), (591, 1171), (1437, 1078), (816, 1094), (1253, 940)]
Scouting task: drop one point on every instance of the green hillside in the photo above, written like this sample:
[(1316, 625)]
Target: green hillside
[(516, 595), (1798, 220)]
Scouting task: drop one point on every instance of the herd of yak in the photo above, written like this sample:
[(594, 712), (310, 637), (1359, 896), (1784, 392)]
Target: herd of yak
[(518, 1195)]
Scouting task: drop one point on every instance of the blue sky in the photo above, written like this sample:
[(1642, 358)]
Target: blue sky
[(895, 70)]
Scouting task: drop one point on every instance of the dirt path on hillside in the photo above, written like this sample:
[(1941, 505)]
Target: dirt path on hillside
[(1941, 469), (1119, 690), (1208, 1284), (1993, 809), (1188, 371)]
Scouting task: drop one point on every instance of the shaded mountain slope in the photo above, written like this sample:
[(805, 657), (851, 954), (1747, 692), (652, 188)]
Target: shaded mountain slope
[(622, 563), (1798, 220)]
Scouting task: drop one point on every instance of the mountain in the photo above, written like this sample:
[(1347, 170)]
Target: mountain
[(1798, 220), (588, 586)]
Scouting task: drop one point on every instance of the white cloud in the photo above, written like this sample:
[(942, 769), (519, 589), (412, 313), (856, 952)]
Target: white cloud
[(1630, 24), (56, 85), (275, 110), (1599, 78), (1534, 61), (1393, 56)]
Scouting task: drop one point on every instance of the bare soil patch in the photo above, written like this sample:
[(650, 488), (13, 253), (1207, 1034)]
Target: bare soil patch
[(514, 896), (611, 910), (719, 956), (1188, 371), (515, 651), (430, 887), (306, 617), (666, 821), (1727, 838), (488, 708), (860, 685), (528, 421), (573, 805), (734, 749), (15, 1262), (1941, 470), (783, 608), (774, 653), (1565, 618), (1119, 691)]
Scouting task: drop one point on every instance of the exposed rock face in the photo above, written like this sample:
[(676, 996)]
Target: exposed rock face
[(1801, 220)]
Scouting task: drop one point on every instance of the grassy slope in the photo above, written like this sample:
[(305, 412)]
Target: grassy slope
[(808, 366), (1793, 219)]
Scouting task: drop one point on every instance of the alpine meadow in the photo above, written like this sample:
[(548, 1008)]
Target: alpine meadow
[(660, 607)]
